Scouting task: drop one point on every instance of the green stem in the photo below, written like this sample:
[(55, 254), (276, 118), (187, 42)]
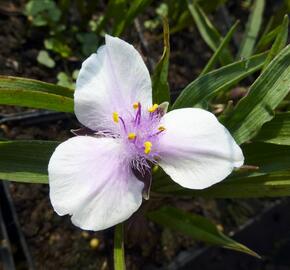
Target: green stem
[(119, 254)]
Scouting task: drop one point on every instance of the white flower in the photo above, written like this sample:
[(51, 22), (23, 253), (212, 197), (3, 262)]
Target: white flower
[(97, 178)]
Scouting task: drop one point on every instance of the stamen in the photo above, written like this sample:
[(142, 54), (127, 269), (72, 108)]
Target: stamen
[(136, 105), (147, 147), (115, 117), (153, 108), (131, 136), (123, 123), (160, 130), (138, 115)]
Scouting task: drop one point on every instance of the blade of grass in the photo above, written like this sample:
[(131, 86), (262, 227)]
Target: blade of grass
[(267, 39), (209, 33), (265, 32), (116, 10), (264, 96), (136, 6), (270, 185), (213, 60), (197, 227), (25, 161), (35, 94), (33, 99), (279, 43), (214, 82), (34, 85), (252, 29), (277, 131)]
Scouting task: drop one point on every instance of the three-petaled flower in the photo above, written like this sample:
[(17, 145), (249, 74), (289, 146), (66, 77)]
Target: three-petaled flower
[(99, 176)]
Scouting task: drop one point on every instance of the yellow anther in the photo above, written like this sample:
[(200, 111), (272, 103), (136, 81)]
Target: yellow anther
[(161, 128), (136, 105), (115, 117), (153, 108), (131, 136), (147, 147)]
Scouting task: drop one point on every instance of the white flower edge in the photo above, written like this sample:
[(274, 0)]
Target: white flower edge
[(196, 151)]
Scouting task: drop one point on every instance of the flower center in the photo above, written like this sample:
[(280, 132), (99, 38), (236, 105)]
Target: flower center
[(140, 130)]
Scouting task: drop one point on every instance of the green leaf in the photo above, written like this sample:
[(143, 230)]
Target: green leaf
[(34, 85), (44, 58), (65, 80), (213, 60), (160, 85), (119, 253), (268, 157), (267, 28), (275, 184), (25, 161), (264, 96), (42, 12), (266, 39), (116, 9), (184, 19), (252, 29), (197, 227), (36, 94), (217, 81), (272, 179), (276, 131), (58, 46), (136, 6), (89, 42), (280, 41), (209, 33)]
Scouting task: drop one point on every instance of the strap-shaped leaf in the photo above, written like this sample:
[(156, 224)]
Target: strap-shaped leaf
[(34, 85), (116, 10), (136, 6), (25, 161), (160, 76), (252, 29), (280, 41), (270, 185), (197, 227), (217, 81), (276, 131), (267, 39), (275, 184), (213, 60), (209, 33), (264, 96), (35, 94)]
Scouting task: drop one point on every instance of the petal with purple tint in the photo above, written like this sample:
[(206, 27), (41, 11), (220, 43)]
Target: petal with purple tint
[(111, 80), (91, 180), (195, 150)]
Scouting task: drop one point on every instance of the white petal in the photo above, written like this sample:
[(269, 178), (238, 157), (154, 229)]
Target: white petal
[(196, 151), (90, 180), (111, 80)]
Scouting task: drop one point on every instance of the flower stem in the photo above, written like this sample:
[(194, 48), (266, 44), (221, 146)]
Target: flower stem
[(119, 254)]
